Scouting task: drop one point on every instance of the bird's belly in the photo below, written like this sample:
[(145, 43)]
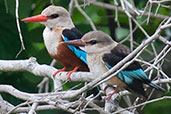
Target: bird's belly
[(116, 81), (98, 68)]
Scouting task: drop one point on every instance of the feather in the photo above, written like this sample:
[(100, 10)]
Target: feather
[(72, 34), (133, 75), (78, 52), (156, 86)]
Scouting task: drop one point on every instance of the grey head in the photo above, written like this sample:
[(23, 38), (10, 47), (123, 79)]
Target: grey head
[(97, 42), (57, 17)]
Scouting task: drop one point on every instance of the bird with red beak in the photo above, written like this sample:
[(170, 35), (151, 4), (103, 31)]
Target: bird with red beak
[(60, 28), (103, 53)]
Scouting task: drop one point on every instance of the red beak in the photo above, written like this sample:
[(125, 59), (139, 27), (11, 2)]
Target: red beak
[(37, 18), (78, 43)]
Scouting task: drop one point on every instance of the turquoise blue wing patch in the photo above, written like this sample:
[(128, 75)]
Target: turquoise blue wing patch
[(79, 53), (122, 75), (107, 65), (129, 76)]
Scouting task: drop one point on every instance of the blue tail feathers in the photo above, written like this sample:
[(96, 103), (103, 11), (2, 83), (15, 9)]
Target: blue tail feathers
[(156, 86)]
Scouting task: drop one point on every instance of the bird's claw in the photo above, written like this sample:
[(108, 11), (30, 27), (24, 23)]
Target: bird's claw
[(107, 87), (70, 72), (54, 74), (60, 70), (69, 75), (110, 95)]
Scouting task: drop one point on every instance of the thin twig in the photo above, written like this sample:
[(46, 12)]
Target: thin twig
[(113, 7), (33, 108), (22, 104), (18, 27), (71, 6), (6, 5), (147, 102), (164, 40), (158, 6), (131, 34), (116, 13), (85, 15), (52, 2), (149, 12)]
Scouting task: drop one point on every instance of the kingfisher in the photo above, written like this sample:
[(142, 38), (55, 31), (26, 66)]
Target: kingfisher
[(103, 53), (60, 28)]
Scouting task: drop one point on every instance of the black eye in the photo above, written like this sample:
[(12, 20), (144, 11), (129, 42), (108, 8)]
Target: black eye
[(93, 42), (54, 16)]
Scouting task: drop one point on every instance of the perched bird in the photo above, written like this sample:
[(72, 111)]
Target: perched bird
[(103, 53), (60, 28)]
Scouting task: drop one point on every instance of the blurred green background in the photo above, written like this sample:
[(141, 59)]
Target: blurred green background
[(32, 34)]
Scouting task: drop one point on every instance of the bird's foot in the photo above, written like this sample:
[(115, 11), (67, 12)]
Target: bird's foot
[(114, 92), (110, 95), (60, 70), (107, 87), (70, 72)]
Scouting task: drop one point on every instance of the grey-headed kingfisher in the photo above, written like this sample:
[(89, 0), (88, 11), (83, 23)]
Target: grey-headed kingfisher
[(60, 28), (103, 53)]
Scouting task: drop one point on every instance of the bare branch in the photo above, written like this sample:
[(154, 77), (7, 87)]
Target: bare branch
[(18, 27), (164, 40), (71, 6), (147, 102), (39, 108), (5, 106), (6, 5), (85, 15), (29, 65), (112, 7)]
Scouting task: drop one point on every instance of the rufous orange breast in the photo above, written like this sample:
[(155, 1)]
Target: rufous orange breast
[(66, 57)]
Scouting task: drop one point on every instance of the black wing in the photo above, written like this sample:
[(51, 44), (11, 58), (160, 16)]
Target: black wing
[(72, 34), (117, 54)]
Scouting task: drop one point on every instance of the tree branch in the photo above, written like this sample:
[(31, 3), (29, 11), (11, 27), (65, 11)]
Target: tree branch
[(113, 7), (19, 29), (29, 65), (147, 102)]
